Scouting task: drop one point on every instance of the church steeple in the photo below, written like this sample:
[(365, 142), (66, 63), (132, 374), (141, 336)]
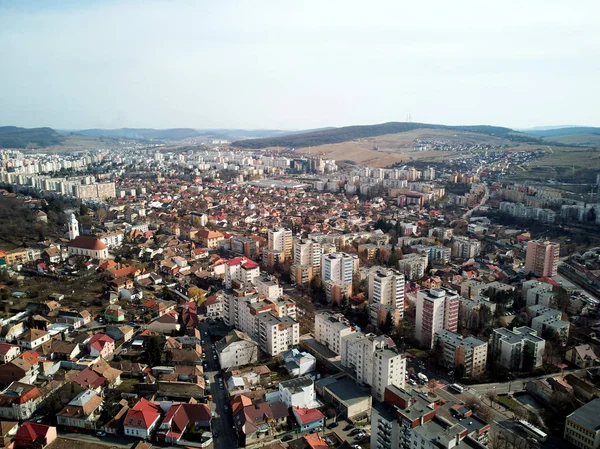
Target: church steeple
[(73, 228)]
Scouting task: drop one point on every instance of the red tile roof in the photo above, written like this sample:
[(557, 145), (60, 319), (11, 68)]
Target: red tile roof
[(85, 242), (142, 415), (308, 415)]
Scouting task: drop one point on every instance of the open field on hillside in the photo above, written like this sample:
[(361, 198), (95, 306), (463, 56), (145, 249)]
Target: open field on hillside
[(75, 143), (399, 147), (589, 139)]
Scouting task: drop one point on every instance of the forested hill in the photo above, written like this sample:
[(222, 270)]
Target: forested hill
[(15, 137), (347, 133)]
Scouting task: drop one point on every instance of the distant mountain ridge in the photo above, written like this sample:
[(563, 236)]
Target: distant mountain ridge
[(347, 133), (566, 131), (182, 133), (16, 137)]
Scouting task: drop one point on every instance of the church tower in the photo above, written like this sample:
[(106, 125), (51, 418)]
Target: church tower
[(73, 228)]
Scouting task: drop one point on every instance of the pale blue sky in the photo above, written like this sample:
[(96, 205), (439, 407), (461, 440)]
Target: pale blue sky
[(294, 65)]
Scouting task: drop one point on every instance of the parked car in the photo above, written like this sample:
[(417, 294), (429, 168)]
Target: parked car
[(101, 433), (333, 425), (348, 427), (287, 438)]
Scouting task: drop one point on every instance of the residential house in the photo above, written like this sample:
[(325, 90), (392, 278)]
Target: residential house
[(82, 412), (120, 334), (18, 370), (101, 345), (8, 429), (114, 314), (8, 352), (19, 401), (308, 418), (65, 350), (34, 435), (166, 323), (582, 356), (33, 339), (142, 419)]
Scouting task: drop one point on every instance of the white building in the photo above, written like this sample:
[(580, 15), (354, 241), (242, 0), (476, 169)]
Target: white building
[(413, 266), (518, 349), (386, 295), (241, 272), (338, 267), (73, 227), (330, 328), (277, 334), (236, 349), (465, 248), (269, 287), (373, 361), (298, 392), (437, 309), (281, 240)]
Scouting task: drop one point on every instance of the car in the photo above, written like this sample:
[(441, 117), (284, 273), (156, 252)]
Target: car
[(348, 427), (204, 355), (333, 425), (412, 382), (356, 446), (132, 323), (355, 432), (205, 333), (101, 433), (215, 434), (287, 438), (226, 408), (214, 356), (360, 434)]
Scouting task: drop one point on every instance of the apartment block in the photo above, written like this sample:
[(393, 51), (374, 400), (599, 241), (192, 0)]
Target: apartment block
[(413, 266), (330, 329), (517, 349), (277, 334), (241, 272), (465, 248), (470, 352), (281, 240), (386, 295), (437, 309), (542, 258), (374, 362)]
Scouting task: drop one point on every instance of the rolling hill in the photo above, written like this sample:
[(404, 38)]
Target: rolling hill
[(349, 133), (563, 131), (15, 137)]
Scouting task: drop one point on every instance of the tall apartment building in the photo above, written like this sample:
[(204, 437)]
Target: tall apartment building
[(386, 295), (281, 240), (517, 349), (470, 352), (582, 427), (338, 267), (270, 323), (437, 309), (413, 266), (244, 246), (465, 248), (240, 272), (277, 334), (373, 362), (337, 272), (330, 328), (307, 260), (541, 258)]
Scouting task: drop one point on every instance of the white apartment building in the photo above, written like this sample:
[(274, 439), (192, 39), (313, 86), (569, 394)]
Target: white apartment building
[(298, 392), (373, 362), (241, 272), (338, 267), (307, 260), (330, 328), (515, 349), (386, 295), (268, 287), (277, 334), (281, 240), (413, 266), (465, 248), (437, 309), (469, 352)]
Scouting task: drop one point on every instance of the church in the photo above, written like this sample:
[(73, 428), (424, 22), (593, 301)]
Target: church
[(81, 245)]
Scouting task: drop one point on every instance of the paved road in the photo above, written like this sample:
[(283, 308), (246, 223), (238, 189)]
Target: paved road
[(222, 422), (486, 196)]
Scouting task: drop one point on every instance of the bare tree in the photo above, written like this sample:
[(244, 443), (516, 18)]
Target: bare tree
[(492, 396), (486, 413), (520, 412), (472, 402)]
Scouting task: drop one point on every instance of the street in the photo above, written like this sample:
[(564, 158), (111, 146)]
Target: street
[(222, 421)]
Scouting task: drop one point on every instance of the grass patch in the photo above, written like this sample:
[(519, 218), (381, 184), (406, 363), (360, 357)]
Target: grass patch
[(416, 352), (128, 385), (507, 402)]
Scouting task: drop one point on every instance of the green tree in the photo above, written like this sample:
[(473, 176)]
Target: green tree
[(154, 350)]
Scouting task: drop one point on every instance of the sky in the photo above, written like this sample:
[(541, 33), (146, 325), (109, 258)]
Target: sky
[(298, 64)]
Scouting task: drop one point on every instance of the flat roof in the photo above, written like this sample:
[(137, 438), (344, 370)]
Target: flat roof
[(346, 391)]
